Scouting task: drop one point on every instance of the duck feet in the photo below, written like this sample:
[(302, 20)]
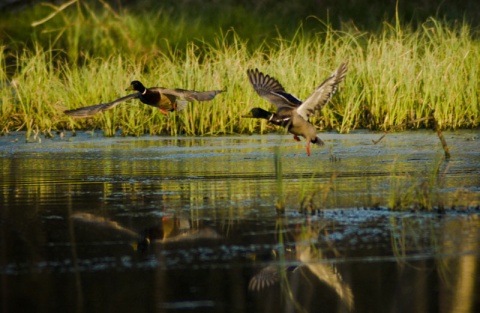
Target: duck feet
[(163, 111), (308, 148)]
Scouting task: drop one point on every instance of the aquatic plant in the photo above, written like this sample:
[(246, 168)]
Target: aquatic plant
[(416, 191)]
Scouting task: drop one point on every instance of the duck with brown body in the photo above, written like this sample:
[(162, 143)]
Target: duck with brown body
[(165, 99), (292, 113)]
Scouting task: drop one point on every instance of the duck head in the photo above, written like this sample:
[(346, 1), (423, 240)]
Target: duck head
[(136, 85)]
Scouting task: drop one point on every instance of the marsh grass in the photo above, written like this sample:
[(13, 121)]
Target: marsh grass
[(397, 75), (314, 196), (417, 192)]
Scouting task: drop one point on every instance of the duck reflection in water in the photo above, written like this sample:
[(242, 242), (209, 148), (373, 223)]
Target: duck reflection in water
[(175, 229), (169, 229), (293, 265)]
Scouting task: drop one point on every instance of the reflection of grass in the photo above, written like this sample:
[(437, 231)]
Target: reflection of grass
[(86, 54), (280, 203), (405, 238)]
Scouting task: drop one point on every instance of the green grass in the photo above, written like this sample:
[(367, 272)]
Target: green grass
[(418, 192), (88, 54)]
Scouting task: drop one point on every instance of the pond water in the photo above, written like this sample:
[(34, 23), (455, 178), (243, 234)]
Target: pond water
[(240, 224)]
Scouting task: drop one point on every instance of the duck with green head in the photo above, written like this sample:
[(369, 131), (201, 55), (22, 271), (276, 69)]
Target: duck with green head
[(292, 113), (165, 99)]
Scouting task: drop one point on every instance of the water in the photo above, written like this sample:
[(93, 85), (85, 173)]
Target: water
[(162, 224)]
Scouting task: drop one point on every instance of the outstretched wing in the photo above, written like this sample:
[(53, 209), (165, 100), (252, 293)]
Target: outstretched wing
[(317, 100), (270, 89), (104, 228), (191, 95), (265, 278), (94, 109)]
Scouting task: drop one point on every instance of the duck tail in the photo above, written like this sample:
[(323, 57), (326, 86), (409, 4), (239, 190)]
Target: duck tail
[(181, 105), (318, 141)]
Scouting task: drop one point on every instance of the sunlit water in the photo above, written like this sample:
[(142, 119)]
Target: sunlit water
[(162, 224)]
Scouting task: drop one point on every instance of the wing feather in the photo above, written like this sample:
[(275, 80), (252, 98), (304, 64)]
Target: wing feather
[(265, 278), (97, 108), (317, 100), (271, 90), (191, 95)]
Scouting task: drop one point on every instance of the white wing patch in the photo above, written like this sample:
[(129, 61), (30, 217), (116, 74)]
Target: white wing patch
[(317, 100)]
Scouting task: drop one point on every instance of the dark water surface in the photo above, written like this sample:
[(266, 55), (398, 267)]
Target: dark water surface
[(163, 224)]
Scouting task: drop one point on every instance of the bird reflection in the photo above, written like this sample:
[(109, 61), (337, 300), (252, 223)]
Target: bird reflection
[(270, 275), (174, 229), (326, 273), (169, 229), (293, 261), (92, 227)]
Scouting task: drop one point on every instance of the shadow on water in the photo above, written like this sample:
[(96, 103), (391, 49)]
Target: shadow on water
[(237, 224)]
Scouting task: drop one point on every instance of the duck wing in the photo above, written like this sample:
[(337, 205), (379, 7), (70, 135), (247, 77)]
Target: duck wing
[(265, 278), (282, 117), (317, 100), (103, 228), (94, 109), (271, 90), (191, 95)]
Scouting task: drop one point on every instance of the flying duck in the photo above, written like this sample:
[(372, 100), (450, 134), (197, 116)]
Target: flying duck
[(292, 113), (164, 99)]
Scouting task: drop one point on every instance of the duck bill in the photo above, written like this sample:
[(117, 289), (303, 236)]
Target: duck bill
[(249, 115), (129, 88)]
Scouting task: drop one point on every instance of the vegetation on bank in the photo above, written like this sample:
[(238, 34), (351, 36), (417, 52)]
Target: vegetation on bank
[(80, 54)]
